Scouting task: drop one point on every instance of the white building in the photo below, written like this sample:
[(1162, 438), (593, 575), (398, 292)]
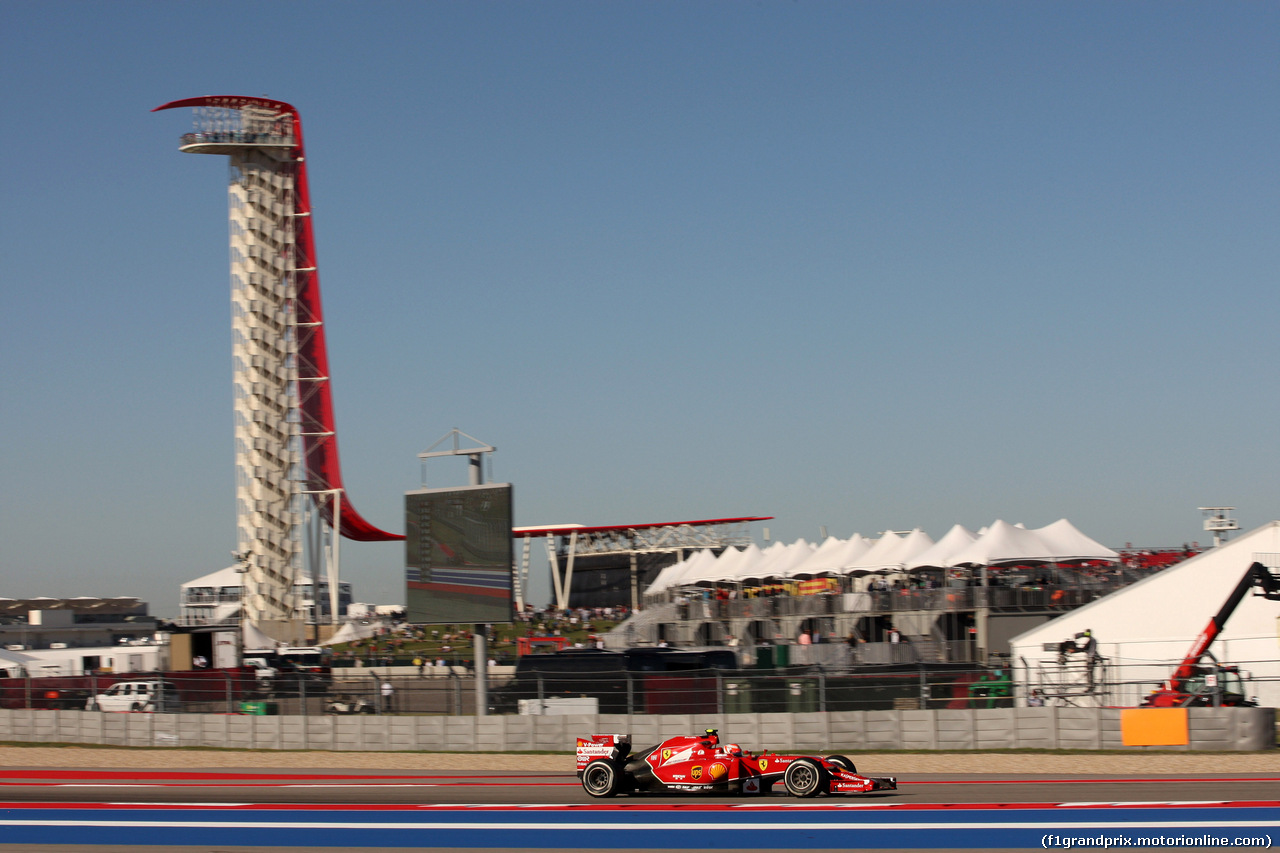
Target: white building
[(1144, 630), (217, 599)]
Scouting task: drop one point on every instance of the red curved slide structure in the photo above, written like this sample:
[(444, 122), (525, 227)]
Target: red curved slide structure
[(320, 437)]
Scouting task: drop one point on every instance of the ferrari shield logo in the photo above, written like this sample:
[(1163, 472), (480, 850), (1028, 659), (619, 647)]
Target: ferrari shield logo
[(764, 762), (666, 755), (696, 772)]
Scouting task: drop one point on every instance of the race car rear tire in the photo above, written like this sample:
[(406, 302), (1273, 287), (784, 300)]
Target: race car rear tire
[(601, 778), (843, 762), (805, 778)]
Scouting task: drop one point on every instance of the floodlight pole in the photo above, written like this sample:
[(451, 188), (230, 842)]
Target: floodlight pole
[(1218, 521), (475, 455)]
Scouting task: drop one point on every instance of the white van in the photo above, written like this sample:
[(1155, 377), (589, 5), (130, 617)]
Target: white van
[(136, 696)]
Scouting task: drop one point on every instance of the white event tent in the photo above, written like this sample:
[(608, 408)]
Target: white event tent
[(999, 544), (822, 560), (892, 551), (941, 553), (1144, 629), (673, 575), (1005, 543), (780, 563)]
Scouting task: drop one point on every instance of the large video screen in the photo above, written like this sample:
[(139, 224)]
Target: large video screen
[(458, 555)]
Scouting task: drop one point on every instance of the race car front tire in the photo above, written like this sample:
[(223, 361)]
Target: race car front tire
[(805, 778), (843, 762), (601, 778)]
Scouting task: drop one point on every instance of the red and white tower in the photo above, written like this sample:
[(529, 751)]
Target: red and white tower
[(286, 443)]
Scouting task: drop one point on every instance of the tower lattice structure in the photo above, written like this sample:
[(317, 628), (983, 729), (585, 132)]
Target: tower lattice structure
[(285, 441)]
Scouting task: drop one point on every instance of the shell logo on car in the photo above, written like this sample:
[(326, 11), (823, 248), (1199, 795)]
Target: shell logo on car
[(717, 771)]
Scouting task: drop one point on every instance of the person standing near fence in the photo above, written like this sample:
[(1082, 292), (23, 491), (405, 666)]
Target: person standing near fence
[(388, 693)]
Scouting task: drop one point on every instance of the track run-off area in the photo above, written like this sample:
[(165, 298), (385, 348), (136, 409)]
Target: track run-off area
[(118, 809)]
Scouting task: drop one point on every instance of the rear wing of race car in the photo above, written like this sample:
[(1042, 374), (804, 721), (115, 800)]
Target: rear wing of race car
[(602, 746)]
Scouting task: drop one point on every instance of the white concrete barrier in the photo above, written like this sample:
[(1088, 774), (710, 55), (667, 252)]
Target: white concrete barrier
[(1217, 729)]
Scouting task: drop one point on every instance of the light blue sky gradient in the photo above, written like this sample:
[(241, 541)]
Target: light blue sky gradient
[(864, 265)]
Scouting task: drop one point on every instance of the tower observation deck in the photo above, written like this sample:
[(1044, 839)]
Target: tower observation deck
[(286, 445)]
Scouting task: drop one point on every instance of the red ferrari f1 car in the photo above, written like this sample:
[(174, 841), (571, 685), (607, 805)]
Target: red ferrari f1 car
[(607, 767)]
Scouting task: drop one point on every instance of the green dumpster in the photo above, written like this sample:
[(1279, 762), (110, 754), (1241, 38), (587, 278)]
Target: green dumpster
[(764, 657), (802, 696), (737, 697), (259, 708), (782, 654)]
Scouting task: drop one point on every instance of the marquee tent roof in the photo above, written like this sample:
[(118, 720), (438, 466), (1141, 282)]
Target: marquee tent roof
[(877, 555), (1005, 543), (940, 554), (999, 544), (351, 631), (675, 574), (780, 563), (892, 551), (230, 576), (854, 548), (821, 559), (1070, 544), (745, 565)]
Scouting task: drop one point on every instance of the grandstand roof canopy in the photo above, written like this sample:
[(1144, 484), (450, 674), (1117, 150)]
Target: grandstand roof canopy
[(1000, 544), (567, 529)]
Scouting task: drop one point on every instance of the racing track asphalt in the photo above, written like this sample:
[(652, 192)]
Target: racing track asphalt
[(363, 785)]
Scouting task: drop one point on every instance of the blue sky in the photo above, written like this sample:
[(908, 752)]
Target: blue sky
[(863, 265)]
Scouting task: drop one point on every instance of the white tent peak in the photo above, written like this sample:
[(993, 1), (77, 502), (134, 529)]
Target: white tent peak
[(822, 559), (1004, 543), (1071, 544), (780, 563), (939, 555)]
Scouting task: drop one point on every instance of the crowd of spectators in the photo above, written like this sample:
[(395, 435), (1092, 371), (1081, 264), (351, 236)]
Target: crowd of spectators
[(1156, 558), (1014, 576)]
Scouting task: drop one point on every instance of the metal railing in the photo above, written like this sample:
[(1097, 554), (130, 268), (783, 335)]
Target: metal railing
[(891, 684), (236, 137)]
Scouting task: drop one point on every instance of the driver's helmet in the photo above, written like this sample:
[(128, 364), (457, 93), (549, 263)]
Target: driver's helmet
[(732, 749)]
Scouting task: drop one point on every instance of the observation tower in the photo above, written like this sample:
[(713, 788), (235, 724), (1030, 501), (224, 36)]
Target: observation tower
[(286, 446)]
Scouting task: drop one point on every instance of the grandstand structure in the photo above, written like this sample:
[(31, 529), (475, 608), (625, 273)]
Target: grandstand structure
[(896, 600), (625, 558), (290, 501)]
